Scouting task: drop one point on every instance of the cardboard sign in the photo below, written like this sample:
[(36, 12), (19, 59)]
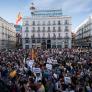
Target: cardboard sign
[(67, 80), (49, 66)]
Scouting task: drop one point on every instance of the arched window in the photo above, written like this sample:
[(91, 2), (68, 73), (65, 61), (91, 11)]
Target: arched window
[(54, 35), (27, 29), (48, 29), (54, 29), (48, 35), (49, 23), (33, 22), (59, 29), (38, 35), (38, 28), (66, 22), (59, 22), (59, 35), (33, 36), (54, 23)]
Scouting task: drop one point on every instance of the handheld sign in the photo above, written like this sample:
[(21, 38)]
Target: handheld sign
[(38, 73), (30, 63), (67, 80), (49, 61), (49, 66), (36, 70)]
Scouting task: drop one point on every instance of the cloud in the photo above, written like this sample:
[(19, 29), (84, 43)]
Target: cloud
[(69, 6), (77, 9)]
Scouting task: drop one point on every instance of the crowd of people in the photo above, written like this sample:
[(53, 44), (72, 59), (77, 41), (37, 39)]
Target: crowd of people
[(51, 70)]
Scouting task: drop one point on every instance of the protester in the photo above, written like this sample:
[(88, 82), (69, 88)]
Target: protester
[(50, 70)]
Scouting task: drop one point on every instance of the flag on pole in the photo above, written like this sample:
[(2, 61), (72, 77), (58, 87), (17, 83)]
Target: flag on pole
[(19, 17), (13, 73), (33, 54)]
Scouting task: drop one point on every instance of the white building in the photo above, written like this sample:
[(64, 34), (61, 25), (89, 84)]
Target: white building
[(7, 34), (46, 29), (84, 33)]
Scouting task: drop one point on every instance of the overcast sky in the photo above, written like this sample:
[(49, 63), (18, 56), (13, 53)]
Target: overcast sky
[(77, 9)]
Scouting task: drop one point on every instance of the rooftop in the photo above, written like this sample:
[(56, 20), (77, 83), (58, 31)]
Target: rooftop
[(48, 13)]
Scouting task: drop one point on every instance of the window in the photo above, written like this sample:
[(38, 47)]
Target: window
[(38, 35), (49, 23), (38, 40), (48, 35), (33, 41), (53, 46), (54, 23), (54, 36), (66, 41), (59, 29), (26, 23), (54, 29), (43, 28), (48, 28), (66, 28), (66, 35), (59, 46), (59, 35), (38, 28), (26, 46), (38, 23), (27, 29), (26, 34), (43, 35), (26, 40), (59, 23), (33, 22), (66, 22), (33, 28), (43, 22), (33, 36)]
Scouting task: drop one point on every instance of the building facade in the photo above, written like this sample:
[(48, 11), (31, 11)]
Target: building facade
[(73, 40), (46, 29), (84, 33), (18, 36), (7, 34)]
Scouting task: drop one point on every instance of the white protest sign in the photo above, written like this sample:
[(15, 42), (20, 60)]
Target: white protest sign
[(67, 80), (49, 66), (55, 62), (30, 63), (38, 73), (49, 61), (36, 70)]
